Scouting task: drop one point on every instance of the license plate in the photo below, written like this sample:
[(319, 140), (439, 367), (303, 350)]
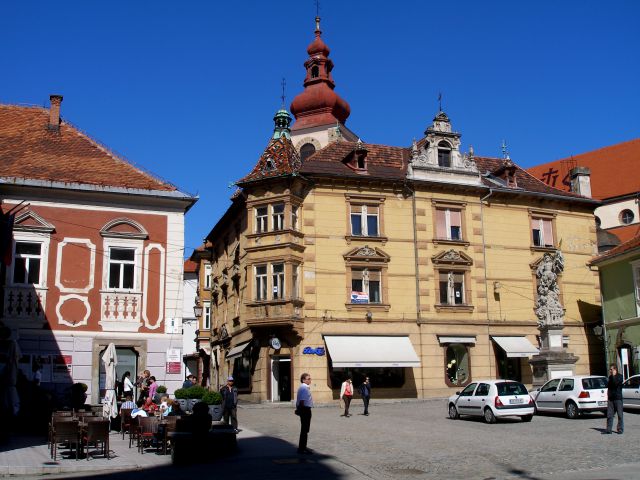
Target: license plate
[(602, 404), (516, 401)]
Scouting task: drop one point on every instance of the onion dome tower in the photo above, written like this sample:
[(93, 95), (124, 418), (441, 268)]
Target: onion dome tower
[(319, 111)]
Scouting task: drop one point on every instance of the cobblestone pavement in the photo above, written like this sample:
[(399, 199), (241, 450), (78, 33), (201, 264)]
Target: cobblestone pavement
[(405, 440)]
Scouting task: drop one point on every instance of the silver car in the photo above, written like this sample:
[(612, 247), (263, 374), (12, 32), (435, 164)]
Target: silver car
[(631, 392), (572, 395)]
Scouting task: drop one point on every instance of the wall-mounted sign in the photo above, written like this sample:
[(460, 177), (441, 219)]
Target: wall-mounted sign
[(313, 351), (275, 343), (173, 361), (359, 297)]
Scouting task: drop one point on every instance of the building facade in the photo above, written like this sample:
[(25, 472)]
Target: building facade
[(415, 266), (95, 255)]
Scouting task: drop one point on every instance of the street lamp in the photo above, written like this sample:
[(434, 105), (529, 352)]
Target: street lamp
[(197, 310)]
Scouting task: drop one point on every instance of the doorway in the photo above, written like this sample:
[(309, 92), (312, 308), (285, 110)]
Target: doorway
[(127, 362), (509, 368), (280, 379)]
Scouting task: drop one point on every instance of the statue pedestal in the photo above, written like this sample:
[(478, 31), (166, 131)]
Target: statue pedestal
[(553, 361)]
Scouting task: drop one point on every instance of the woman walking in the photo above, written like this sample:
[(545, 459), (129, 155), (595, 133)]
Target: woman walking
[(346, 394)]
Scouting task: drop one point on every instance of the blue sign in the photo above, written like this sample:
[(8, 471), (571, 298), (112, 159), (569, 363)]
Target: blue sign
[(313, 351), (359, 297)]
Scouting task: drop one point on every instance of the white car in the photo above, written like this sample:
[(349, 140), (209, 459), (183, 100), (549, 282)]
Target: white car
[(631, 392), (572, 395), (492, 399)]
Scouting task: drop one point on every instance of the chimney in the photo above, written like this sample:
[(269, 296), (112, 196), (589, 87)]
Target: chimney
[(581, 181), (54, 112)]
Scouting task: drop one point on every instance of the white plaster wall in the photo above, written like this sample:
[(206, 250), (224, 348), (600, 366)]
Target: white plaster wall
[(610, 214)]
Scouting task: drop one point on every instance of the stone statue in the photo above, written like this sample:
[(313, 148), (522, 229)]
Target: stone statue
[(548, 307)]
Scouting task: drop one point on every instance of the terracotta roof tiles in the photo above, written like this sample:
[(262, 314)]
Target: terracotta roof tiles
[(625, 247)]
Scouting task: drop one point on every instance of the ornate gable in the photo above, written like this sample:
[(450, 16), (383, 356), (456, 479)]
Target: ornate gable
[(366, 254), (30, 221), (452, 258), (124, 228)]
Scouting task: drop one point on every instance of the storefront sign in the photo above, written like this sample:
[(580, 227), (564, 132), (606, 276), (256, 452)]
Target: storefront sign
[(62, 368), (174, 361), (275, 343), (313, 351)]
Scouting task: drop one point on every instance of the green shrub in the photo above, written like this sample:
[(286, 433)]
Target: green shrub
[(212, 398), (196, 392), (181, 393), (161, 389)]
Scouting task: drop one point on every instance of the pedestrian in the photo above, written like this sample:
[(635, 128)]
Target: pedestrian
[(152, 388), (365, 393), (127, 385), (230, 404), (142, 382), (189, 382), (304, 404), (614, 395), (346, 394)]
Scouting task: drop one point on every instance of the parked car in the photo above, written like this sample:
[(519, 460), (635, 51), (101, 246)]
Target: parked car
[(492, 399), (572, 395), (631, 392)]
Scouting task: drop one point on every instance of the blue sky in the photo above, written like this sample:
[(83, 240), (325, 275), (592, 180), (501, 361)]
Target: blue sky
[(187, 90)]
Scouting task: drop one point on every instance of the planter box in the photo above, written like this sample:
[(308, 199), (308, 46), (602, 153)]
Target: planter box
[(216, 412)]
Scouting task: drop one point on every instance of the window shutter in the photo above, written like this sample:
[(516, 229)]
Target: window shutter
[(456, 218), (441, 224), (548, 233)]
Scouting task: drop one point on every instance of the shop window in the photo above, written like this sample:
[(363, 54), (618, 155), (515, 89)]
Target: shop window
[(379, 377), (27, 263), (122, 268), (457, 364), (366, 286), (242, 372)]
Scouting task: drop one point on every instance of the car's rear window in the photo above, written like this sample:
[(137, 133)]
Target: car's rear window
[(511, 388), (594, 383)]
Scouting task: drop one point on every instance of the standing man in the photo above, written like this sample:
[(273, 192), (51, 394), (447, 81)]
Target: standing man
[(230, 403), (614, 393), (189, 382), (365, 392), (304, 404)]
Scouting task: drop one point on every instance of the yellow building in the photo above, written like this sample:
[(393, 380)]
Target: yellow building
[(414, 266)]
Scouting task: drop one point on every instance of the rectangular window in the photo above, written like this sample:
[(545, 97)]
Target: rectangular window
[(451, 288), (262, 216), (448, 224), (122, 268), (278, 216), (277, 280), (366, 286), (261, 282), (206, 317), (294, 217), (364, 220), (542, 232), (207, 277), (295, 288), (27, 260)]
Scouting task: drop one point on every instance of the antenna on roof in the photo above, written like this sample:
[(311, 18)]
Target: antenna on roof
[(440, 101), (505, 152), (284, 84)]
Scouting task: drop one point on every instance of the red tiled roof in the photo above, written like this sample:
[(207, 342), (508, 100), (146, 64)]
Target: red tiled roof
[(615, 170), (279, 158), (29, 150), (626, 232), (625, 247), (190, 266)]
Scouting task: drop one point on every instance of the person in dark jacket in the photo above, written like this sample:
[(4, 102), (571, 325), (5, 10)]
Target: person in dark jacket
[(365, 393), (614, 405), (230, 403)]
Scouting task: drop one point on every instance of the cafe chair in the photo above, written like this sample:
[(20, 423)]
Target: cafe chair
[(97, 432), (147, 430), (125, 421), (66, 431)]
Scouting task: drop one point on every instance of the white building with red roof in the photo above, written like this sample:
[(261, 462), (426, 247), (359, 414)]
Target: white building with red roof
[(95, 255)]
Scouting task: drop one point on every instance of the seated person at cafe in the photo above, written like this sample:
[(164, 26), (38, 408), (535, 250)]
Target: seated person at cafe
[(163, 403), (149, 406), (128, 403), (168, 406), (139, 411), (175, 410)]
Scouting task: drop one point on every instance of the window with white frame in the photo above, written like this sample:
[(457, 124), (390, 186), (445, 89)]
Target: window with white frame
[(277, 280), (122, 262), (365, 220), (366, 285), (261, 282), (448, 224), (451, 288), (277, 216), (262, 219), (27, 263), (207, 277), (294, 217), (542, 232), (206, 316), (295, 286)]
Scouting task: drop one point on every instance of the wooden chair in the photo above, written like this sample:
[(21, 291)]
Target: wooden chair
[(97, 431), (147, 430), (169, 426), (65, 431), (57, 418), (125, 420)]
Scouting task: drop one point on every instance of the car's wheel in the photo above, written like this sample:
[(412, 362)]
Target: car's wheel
[(572, 410), (489, 417), (527, 418), (453, 412)]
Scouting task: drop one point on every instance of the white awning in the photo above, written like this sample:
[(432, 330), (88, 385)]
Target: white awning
[(516, 346), (371, 351), (459, 339), (237, 350)]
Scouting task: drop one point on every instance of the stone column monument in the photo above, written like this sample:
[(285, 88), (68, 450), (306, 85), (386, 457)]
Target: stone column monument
[(553, 360)]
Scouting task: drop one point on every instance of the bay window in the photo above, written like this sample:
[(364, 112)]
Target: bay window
[(277, 280), (261, 282), (277, 216), (262, 219)]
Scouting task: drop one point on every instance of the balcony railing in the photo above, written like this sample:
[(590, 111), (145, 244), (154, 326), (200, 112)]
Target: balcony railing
[(120, 311), (25, 302)]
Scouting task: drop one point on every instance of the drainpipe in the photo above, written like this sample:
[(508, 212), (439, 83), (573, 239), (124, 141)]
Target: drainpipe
[(486, 287), (417, 267)]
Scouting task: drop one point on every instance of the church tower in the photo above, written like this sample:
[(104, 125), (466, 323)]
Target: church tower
[(320, 112)]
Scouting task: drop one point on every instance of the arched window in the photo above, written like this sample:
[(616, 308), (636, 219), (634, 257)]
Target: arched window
[(444, 154), (315, 71), (457, 371), (626, 216), (306, 151)]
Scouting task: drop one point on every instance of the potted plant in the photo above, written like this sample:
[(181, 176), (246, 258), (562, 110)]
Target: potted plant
[(181, 397), (78, 395), (194, 395), (214, 400), (161, 391)]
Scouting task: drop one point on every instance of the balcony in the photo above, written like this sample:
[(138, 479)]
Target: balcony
[(120, 311), (25, 303), (287, 311)]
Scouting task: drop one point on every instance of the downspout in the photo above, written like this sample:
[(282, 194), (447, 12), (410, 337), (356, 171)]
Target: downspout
[(604, 326), (417, 267), (486, 287)]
